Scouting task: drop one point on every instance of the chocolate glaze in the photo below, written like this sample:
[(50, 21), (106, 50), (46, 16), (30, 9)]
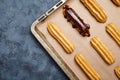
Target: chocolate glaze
[(76, 21)]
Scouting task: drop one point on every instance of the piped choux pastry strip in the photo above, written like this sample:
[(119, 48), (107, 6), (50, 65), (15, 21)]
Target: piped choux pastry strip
[(95, 9), (86, 67), (104, 52), (114, 31), (63, 41), (116, 2), (117, 71)]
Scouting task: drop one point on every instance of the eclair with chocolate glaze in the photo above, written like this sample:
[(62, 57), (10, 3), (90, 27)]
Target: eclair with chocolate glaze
[(76, 21)]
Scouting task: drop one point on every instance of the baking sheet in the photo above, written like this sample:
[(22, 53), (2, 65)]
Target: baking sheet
[(82, 44)]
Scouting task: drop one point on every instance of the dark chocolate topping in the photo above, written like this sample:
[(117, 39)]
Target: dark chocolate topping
[(76, 21)]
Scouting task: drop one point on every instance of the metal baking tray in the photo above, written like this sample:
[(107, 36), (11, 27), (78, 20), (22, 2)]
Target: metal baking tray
[(82, 44)]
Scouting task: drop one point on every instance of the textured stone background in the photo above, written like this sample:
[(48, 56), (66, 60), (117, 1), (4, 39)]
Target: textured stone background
[(21, 56)]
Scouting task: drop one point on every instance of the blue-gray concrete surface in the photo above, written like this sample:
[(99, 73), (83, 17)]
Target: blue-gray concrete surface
[(21, 56)]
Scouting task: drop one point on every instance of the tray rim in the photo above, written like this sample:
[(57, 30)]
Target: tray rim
[(48, 47)]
